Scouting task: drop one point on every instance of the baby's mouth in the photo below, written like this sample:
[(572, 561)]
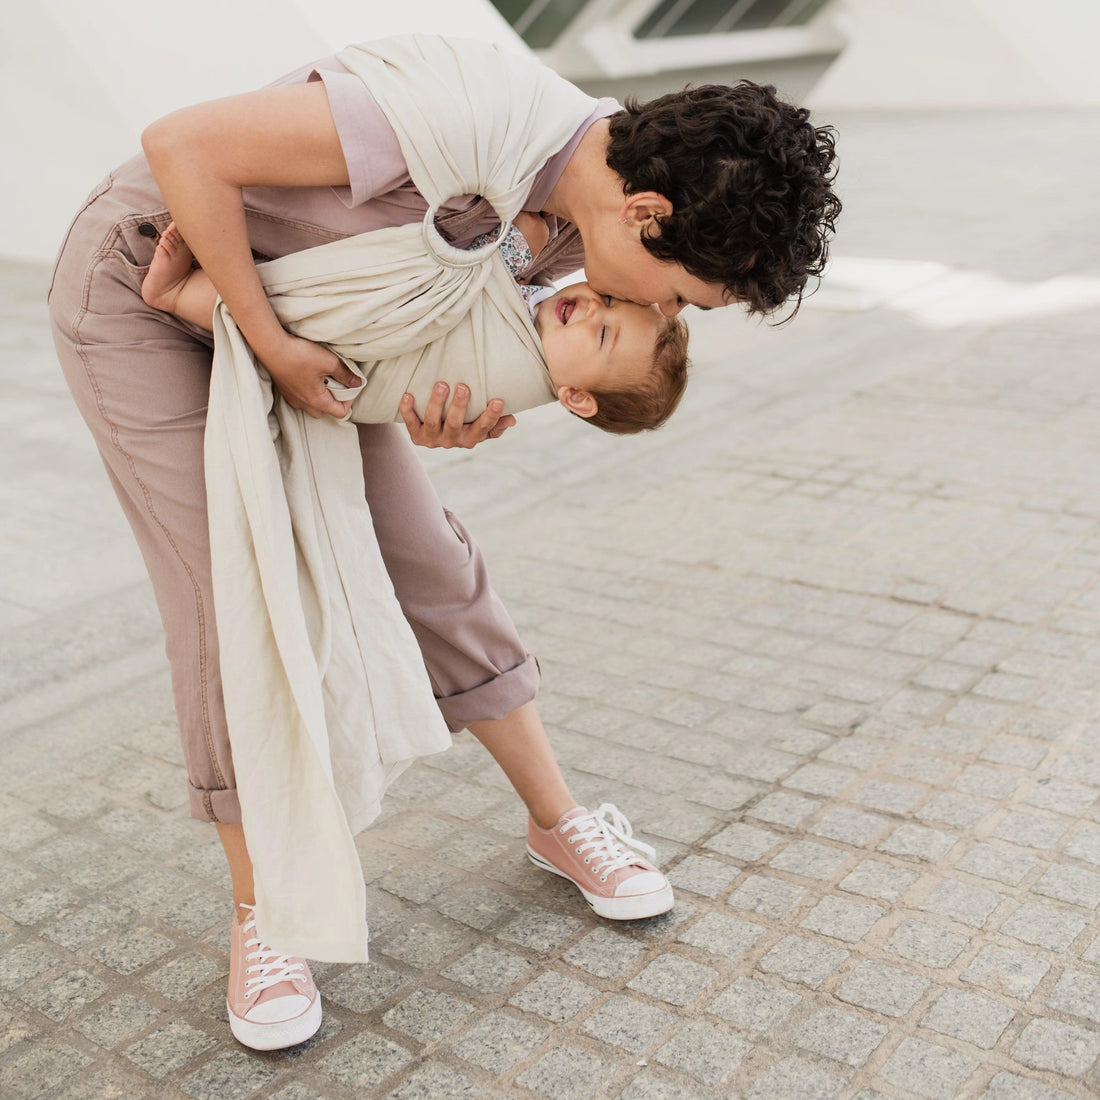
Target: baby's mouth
[(565, 309)]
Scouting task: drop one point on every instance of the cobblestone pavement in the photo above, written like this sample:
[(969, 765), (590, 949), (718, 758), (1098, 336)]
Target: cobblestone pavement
[(831, 640)]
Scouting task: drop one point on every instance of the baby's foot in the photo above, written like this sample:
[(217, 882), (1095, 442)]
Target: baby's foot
[(169, 271)]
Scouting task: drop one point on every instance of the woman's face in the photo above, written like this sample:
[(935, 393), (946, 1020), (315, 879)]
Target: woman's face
[(617, 263)]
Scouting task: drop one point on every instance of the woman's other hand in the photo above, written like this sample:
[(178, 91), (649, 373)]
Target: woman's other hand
[(298, 369), (437, 430)]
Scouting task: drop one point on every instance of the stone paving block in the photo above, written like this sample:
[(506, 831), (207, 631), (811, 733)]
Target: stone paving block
[(1022, 754), (855, 751), (627, 1022), (959, 810), (434, 1080), (810, 860), (969, 1017), (496, 1041), (782, 808), (921, 767), (848, 826), (566, 1072), (133, 949), (674, 980), (804, 960), (1072, 884), (754, 1006), (59, 997), (1085, 844), (364, 1062), (488, 969), (928, 1069), (169, 1048), (962, 902), (428, 1014), (232, 1075), (744, 842), (606, 952), (926, 944), (363, 988), (1077, 993), (37, 905), (540, 930), (722, 934), (23, 962), (554, 997), (703, 1051), (703, 876), (182, 977), (649, 1086), (820, 779), (422, 945), (1044, 926), (842, 918), (882, 988), (1004, 970), (771, 897), (1061, 797), (84, 925), (875, 879), (795, 1079), (34, 1069), (108, 1024), (896, 798), (1011, 1086), (1031, 830), (840, 1035), (1063, 1048), (999, 864), (478, 908), (918, 842)]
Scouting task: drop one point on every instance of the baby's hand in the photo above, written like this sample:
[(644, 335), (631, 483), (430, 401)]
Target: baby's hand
[(435, 430)]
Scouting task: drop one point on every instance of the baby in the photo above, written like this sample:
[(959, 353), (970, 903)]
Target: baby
[(618, 365)]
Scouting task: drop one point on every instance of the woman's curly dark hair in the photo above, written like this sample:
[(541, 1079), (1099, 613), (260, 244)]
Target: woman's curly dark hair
[(750, 182)]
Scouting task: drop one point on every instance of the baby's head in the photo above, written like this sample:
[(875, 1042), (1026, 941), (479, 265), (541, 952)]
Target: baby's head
[(621, 366)]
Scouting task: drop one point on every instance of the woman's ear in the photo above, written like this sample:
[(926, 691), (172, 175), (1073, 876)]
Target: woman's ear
[(577, 401), (641, 208)]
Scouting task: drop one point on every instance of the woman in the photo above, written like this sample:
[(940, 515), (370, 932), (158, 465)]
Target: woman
[(735, 206)]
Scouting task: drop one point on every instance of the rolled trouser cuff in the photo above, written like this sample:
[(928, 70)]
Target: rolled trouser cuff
[(221, 806), (494, 699)]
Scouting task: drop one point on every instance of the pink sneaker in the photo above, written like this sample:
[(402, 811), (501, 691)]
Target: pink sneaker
[(595, 851), (272, 1000)]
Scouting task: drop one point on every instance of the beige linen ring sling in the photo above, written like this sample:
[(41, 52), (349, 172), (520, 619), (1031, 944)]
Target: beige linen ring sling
[(326, 694)]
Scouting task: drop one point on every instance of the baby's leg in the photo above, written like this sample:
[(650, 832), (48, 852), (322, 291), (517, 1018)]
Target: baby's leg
[(174, 286)]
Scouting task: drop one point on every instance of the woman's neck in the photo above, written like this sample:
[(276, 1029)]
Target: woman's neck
[(586, 188)]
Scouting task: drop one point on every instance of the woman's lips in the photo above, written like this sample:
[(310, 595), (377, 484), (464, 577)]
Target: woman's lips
[(565, 309)]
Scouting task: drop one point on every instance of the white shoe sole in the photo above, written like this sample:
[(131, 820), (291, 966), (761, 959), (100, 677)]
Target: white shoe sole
[(636, 907), (276, 1036)]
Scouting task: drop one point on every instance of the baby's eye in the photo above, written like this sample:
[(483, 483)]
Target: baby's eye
[(603, 332)]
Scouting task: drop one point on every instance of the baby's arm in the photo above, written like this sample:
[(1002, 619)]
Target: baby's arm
[(174, 286)]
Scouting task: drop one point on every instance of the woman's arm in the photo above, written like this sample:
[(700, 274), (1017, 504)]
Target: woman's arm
[(201, 158)]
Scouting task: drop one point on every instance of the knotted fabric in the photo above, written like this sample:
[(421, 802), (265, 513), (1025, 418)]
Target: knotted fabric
[(326, 694)]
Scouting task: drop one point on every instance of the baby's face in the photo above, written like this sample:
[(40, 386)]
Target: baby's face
[(596, 343)]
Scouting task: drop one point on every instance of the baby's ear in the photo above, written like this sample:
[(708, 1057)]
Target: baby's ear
[(577, 401)]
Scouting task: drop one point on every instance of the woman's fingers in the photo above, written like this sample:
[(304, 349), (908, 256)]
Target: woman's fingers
[(435, 430)]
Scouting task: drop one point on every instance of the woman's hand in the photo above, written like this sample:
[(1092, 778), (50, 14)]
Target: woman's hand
[(298, 369), (435, 430)]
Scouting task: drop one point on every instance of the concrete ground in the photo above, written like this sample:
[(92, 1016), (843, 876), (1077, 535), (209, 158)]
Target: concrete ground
[(831, 640)]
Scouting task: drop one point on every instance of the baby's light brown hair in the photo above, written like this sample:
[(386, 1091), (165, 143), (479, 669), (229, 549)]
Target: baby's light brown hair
[(650, 404)]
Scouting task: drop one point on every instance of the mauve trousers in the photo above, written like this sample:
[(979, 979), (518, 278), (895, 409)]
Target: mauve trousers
[(141, 380)]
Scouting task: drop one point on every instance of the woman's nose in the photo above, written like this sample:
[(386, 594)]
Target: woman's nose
[(671, 307)]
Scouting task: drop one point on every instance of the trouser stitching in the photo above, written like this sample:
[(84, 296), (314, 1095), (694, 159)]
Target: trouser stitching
[(200, 610)]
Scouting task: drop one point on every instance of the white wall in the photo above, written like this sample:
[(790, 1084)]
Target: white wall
[(965, 53), (79, 81)]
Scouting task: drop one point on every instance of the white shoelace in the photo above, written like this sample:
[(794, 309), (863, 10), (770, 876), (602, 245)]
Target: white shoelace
[(606, 839), (272, 967)]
